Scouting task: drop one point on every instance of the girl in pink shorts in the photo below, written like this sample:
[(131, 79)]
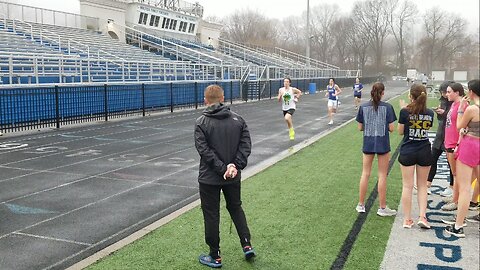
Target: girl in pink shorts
[(468, 154)]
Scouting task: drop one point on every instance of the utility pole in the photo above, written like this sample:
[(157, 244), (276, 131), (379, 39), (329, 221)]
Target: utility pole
[(307, 53)]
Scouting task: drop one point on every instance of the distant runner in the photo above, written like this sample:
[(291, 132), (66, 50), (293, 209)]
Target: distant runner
[(357, 92), (332, 92)]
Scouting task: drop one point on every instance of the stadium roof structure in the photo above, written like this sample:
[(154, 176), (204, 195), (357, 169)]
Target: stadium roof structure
[(176, 5)]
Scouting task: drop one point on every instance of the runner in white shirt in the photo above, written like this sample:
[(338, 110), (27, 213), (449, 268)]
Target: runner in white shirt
[(289, 97)]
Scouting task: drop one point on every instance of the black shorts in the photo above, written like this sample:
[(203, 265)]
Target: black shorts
[(373, 153), (291, 111), (357, 96), (420, 158)]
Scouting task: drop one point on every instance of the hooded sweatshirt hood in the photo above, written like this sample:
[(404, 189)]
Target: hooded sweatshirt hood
[(217, 110)]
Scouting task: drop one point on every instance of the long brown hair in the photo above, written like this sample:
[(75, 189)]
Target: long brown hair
[(376, 93), (418, 94)]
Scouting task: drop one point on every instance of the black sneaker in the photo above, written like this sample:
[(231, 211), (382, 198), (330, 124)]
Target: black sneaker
[(473, 206), (457, 232), (249, 252), (210, 261)]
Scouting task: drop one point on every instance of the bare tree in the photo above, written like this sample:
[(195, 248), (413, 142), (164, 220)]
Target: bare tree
[(399, 15), (372, 15), (322, 19), (444, 32), (340, 28), (251, 27), (292, 34), (356, 39)]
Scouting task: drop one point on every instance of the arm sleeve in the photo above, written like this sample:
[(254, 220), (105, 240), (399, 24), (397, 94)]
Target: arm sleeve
[(244, 148), (206, 152), (360, 115), (402, 118), (391, 117)]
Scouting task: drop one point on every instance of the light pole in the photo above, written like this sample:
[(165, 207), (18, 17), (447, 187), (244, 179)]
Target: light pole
[(307, 53)]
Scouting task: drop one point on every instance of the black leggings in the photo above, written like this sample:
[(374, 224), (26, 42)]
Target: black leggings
[(436, 153)]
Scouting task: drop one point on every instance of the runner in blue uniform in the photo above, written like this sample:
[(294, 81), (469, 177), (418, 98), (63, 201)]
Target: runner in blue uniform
[(357, 92), (332, 92)]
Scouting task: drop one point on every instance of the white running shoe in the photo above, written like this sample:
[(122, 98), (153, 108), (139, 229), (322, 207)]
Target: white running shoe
[(331, 122), (386, 212), (360, 208)]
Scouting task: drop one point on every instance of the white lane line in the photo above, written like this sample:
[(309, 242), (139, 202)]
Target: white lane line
[(93, 203), (54, 239), (96, 175)]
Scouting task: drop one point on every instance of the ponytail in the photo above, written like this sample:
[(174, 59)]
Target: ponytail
[(376, 93), (418, 94)]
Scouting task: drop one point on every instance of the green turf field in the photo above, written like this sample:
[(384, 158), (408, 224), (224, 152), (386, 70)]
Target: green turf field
[(299, 211)]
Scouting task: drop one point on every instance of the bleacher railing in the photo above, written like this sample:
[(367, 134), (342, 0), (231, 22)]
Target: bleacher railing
[(166, 46), (247, 54), (303, 59), (47, 16), (25, 68)]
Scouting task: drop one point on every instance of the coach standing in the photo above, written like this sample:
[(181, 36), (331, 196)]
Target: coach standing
[(223, 141)]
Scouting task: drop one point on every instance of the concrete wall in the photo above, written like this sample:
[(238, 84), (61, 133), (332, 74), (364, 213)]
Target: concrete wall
[(209, 29), (105, 11)]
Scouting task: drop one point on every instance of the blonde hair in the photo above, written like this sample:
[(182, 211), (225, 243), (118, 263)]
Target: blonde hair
[(213, 93)]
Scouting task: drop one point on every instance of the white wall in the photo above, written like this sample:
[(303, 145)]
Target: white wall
[(460, 76), (105, 13), (208, 29)]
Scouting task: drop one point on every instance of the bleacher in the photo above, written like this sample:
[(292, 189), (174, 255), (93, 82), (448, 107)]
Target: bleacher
[(40, 53), (180, 49)]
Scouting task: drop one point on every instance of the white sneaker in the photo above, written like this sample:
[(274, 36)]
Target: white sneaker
[(447, 192), (429, 191), (331, 122), (360, 208), (386, 212)]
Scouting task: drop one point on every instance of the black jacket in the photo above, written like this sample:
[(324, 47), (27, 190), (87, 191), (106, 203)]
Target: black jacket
[(440, 135), (221, 138)]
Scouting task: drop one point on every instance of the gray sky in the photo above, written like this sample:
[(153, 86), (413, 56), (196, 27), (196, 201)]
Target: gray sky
[(468, 9)]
